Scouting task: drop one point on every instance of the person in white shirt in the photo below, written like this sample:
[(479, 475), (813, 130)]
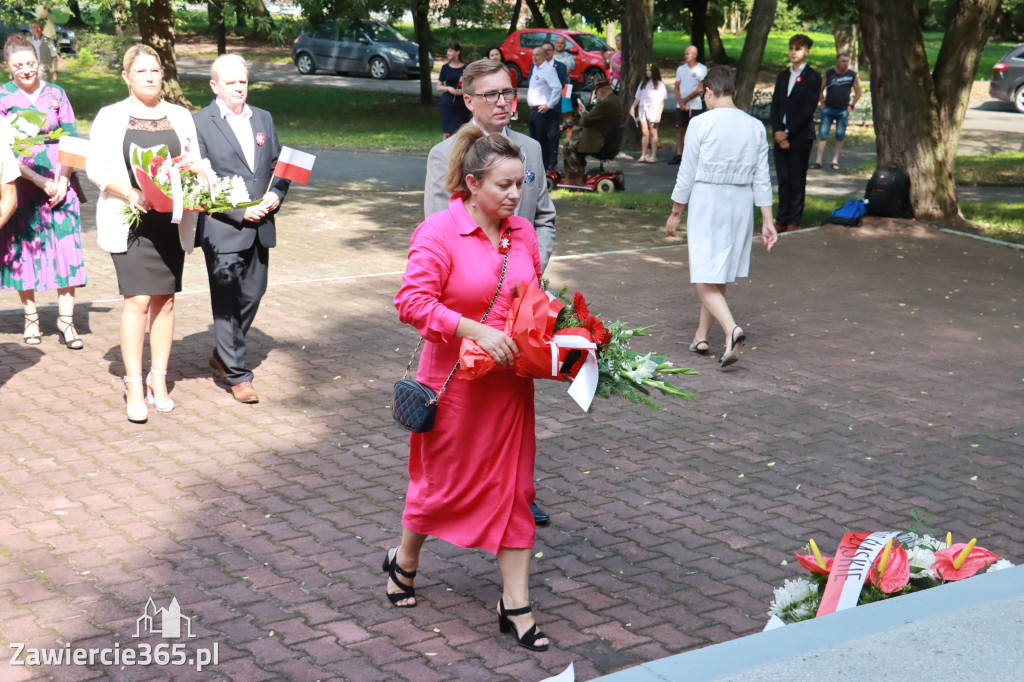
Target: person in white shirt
[(47, 53), (543, 97), (689, 86), (646, 109)]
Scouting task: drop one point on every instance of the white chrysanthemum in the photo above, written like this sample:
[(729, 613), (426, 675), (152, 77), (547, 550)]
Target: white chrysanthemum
[(204, 166), (921, 560), (999, 565), (797, 595), (928, 542)]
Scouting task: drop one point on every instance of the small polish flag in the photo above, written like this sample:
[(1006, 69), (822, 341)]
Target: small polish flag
[(72, 151), (294, 165), (567, 90)]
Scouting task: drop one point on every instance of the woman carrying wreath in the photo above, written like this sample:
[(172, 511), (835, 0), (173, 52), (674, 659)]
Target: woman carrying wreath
[(149, 258), (723, 175), (471, 477), (41, 248)]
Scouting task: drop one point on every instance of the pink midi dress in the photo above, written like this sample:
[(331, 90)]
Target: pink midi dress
[(471, 477)]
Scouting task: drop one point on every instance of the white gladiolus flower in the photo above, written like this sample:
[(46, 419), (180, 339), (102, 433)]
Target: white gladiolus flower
[(642, 368)]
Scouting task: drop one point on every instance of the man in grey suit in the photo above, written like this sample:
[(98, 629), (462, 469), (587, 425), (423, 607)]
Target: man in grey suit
[(489, 95), (238, 140)]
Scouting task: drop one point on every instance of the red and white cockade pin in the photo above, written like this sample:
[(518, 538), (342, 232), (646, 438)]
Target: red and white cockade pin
[(188, 143), (799, 78), (260, 139), (55, 103), (504, 243)]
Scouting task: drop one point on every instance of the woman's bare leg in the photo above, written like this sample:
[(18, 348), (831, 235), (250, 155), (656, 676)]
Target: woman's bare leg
[(515, 574)]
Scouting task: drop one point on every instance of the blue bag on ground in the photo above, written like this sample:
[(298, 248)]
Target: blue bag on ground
[(849, 214)]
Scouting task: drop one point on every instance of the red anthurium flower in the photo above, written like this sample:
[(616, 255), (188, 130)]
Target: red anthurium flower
[(976, 561), (896, 574), (808, 563)]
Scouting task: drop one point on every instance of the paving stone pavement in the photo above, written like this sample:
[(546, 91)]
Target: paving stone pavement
[(882, 374)]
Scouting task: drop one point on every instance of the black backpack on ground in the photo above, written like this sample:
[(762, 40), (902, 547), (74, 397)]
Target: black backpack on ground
[(888, 193)]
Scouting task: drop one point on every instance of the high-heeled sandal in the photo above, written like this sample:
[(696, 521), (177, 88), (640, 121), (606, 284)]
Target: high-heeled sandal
[(32, 339), (151, 397), (138, 415), (393, 570), (527, 639), (730, 356), (74, 343)]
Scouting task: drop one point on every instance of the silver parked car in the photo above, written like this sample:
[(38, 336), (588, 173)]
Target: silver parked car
[(1008, 78), (356, 46)]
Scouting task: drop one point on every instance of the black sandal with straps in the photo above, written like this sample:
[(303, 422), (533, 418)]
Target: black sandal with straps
[(393, 570), (527, 639)]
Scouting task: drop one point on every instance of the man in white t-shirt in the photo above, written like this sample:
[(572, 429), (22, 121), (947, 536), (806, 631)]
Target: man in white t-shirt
[(689, 87)]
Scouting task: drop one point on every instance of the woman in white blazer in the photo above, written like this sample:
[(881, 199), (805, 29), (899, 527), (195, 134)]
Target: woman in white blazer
[(724, 174), (149, 258)]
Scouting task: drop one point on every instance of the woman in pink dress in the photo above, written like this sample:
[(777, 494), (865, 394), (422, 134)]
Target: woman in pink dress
[(471, 477)]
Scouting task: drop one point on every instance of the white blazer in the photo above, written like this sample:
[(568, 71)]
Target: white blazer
[(105, 164)]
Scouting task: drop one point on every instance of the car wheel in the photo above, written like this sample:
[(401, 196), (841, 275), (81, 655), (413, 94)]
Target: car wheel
[(1018, 100), (304, 63), (605, 186), (592, 77), (378, 68), (517, 75)]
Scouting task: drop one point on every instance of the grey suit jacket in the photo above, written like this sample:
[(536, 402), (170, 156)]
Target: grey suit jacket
[(535, 205), (227, 232)]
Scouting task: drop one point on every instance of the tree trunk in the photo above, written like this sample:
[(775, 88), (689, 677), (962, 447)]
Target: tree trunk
[(156, 29), (715, 45), (761, 18), (698, 29), (119, 9), (554, 8), (846, 42), (516, 12), (215, 12), (637, 51), (261, 19), (421, 30), (538, 20), (76, 20), (240, 16), (918, 115)]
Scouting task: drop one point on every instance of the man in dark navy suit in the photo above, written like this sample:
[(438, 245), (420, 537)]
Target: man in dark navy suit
[(238, 140), (793, 104)]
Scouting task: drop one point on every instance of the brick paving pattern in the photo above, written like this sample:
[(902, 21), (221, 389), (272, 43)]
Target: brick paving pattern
[(882, 374)]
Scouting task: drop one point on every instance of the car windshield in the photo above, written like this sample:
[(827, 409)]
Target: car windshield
[(590, 43), (382, 33)]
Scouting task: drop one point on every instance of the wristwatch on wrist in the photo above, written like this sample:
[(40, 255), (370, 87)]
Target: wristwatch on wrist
[(677, 213)]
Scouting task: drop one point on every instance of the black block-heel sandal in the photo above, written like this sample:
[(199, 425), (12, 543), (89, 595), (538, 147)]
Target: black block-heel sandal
[(527, 639), (69, 335), (393, 570), (32, 339)]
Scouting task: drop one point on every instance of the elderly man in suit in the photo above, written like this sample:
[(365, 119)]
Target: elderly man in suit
[(238, 140), (597, 124), (490, 97), (793, 103)]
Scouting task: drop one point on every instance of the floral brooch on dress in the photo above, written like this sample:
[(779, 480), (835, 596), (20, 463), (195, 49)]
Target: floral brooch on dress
[(505, 243), (530, 176)]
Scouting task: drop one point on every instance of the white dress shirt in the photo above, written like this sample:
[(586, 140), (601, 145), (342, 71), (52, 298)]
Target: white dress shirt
[(545, 88), (242, 129)]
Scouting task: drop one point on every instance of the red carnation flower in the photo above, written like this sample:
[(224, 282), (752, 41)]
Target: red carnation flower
[(155, 163)]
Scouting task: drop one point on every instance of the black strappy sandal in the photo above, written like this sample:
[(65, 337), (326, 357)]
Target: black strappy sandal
[(733, 354), (393, 570), (527, 639), (74, 342), (32, 339), (696, 347)]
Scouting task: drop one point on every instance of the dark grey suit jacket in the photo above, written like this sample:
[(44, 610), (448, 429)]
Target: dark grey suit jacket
[(227, 232)]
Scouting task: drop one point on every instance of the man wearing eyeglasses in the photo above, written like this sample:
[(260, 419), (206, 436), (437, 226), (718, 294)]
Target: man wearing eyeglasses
[(490, 97)]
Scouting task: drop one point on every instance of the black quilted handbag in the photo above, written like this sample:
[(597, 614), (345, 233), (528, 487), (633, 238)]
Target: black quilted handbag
[(415, 405)]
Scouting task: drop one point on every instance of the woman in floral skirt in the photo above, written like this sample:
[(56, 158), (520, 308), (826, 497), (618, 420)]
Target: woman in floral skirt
[(41, 247)]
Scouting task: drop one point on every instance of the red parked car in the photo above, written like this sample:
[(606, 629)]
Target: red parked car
[(585, 47)]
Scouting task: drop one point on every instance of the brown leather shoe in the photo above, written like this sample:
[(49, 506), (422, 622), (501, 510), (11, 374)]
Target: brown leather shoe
[(245, 393), (221, 370)]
